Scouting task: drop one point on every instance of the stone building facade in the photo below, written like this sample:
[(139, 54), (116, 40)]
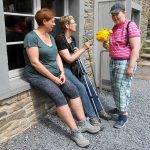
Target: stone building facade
[(89, 27), (144, 18), (21, 111), (89, 30)]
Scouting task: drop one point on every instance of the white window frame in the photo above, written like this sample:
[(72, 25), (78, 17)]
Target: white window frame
[(16, 73)]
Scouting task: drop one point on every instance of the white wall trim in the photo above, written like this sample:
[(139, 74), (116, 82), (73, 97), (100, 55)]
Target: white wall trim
[(66, 7), (136, 6)]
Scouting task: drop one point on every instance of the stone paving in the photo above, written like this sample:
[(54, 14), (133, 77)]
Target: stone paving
[(143, 73)]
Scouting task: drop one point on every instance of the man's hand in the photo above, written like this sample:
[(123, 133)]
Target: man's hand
[(106, 45), (130, 71)]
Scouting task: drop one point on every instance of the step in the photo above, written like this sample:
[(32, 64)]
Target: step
[(147, 40), (145, 55), (147, 49), (144, 63)]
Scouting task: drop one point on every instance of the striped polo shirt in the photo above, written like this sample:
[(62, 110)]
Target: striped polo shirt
[(118, 39)]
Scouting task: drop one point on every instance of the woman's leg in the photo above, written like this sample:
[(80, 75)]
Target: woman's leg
[(65, 114), (88, 108), (76, 106), (55, 94), (63, 110), (87, 104), (75, 103)]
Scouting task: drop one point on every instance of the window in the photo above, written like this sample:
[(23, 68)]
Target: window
[(20, 13), (19, 20), (135, 16)]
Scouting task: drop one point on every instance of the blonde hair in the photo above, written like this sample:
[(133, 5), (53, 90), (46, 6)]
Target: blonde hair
[(65, 20)]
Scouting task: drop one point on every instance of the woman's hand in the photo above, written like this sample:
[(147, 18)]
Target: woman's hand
[(75, 50), (57, 81), (86, 45), (62, 77)]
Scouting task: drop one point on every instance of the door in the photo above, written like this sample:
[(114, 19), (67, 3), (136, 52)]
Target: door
[(102, 20)]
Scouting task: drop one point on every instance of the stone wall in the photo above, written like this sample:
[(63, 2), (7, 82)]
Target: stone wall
[(20, 112), (89, 30), (144, 18), (89, 24)]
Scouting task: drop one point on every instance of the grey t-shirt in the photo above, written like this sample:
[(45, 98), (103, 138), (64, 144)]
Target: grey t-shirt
[(47, 55)]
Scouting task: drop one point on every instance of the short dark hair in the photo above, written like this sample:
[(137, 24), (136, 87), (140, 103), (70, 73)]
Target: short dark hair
[(44, 13)]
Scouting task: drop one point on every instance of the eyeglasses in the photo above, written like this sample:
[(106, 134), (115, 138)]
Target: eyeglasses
[(72, 23)]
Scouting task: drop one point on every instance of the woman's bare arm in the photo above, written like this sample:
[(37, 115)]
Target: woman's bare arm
[(69, 58), (33, 55)]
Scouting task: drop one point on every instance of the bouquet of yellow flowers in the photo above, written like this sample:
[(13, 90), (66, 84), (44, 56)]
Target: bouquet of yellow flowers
[(103, 36)]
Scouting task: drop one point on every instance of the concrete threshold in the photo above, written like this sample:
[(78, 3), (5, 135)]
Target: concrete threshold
[(142, 77)]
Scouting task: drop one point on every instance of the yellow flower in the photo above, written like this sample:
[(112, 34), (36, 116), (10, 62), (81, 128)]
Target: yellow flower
[(103, 35)]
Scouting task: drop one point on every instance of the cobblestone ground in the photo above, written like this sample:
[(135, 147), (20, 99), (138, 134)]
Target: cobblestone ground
[(52, 134), (143, 73)]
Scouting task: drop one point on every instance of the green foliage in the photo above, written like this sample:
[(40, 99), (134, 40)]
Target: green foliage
[(143, 50), (148, 35), (148, 16), (144, 45)]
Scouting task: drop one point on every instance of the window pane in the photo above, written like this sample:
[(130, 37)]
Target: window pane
[(18, 6), (17, 27), (57, 28), (15, 56), (59, 12), (54, 4)]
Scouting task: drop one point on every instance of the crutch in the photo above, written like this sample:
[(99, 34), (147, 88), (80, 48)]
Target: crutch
[(84, 77), (90, 84)]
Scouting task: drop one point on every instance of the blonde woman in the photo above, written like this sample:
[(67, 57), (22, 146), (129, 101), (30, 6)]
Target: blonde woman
[(69, 53)]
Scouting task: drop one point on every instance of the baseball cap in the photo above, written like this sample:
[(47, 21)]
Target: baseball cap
[(116, 8)]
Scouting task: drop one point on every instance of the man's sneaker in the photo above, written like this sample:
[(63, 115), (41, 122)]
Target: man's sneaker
[(114, 111), (103, 114), (85, 126), (95, 121), (79, 139), (122, 119)]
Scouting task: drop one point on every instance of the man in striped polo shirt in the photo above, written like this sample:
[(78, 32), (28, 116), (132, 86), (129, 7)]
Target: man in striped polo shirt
[(124, 52)]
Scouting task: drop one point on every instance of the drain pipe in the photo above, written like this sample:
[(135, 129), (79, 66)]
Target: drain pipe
[(101, 57)]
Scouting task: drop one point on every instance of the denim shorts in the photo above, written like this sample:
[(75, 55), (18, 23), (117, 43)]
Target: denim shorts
[(55, 92)]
